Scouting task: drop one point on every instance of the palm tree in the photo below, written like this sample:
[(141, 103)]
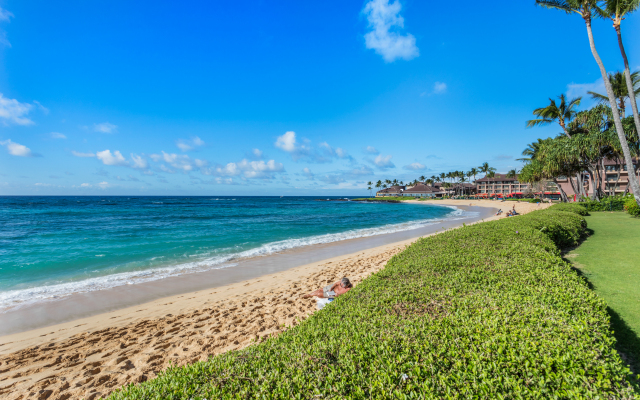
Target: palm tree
[(474, 172), (563, 113), (487, 170), (395, 182), (586, 9), (512, 174), (370, 188), (443, 176), (531, 151), (616, 10), (422, 178), (620, 91)]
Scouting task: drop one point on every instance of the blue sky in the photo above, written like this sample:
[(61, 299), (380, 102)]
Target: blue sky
[(278, 98)]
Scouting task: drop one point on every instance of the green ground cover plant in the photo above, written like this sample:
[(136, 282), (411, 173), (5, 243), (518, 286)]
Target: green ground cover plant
[(484, 311), (609, 260)]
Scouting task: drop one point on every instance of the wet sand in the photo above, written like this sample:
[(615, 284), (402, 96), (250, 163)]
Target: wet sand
[(94, 355)]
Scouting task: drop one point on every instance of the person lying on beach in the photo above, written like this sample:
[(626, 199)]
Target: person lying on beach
[(331, 291), (499, 212)]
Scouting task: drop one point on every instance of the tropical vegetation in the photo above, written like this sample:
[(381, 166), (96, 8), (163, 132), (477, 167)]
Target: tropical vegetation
[(614, 10)]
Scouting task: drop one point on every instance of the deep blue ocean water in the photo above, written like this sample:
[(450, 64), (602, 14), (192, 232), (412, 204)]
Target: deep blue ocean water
[(53, 246)]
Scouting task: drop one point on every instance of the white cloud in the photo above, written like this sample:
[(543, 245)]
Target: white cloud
[(257, 153), (416, 166), (178, 161), (337, 152), (383, 162), (307, 172), (249, 169), (439, 87), (16, 149), (109, 158), (386, 37), (580, 89), (287, 142), (78, 154), (103, 185), (14, 112), (200, 163), (371, 150), (57, 135), (43, 184), (85, 185), (5, 15), (42, 108), (105, 127), (138, 162), (187, 145)]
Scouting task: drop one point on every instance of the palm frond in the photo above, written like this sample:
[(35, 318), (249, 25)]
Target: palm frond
[(538, 122), (556, 4)]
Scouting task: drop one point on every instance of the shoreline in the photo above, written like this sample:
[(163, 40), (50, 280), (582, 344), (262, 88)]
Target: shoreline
[(81, 305), (100, 353)]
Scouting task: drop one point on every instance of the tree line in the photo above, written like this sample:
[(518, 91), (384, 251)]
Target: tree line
[(601, 133)]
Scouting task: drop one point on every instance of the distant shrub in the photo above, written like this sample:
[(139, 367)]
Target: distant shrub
[(486, 311), (577, 208), (631, 206), (609, 203)]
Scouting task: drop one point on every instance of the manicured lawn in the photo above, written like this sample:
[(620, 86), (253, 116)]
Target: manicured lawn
[(610, 260)]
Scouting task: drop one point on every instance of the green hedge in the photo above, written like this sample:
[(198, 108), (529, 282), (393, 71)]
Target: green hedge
[(610, 203), (578, 208), (631, 206), (483, 311)]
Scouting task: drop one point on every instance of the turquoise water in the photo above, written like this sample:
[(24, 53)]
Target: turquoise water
[(51, 247)]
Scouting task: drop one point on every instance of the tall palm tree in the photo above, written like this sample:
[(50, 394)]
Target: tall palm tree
[(487, 170), (443, 176), (474, 172), (422, 178), (586, 9), (619, 85), (512, 174), (616, 10), (461, 182), (369, 184), (531, 151), (563, 113)]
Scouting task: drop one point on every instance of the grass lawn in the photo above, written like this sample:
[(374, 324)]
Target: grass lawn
[(610, 260)]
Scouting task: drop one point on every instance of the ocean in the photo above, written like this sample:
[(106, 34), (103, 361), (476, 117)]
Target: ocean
[(52, 247)]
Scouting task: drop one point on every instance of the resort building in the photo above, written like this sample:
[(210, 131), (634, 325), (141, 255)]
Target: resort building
[(501, 186), (422, 190), (391, 191), (614, 180)]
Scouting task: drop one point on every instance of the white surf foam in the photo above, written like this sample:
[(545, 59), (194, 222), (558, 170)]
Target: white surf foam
[(10, 300)]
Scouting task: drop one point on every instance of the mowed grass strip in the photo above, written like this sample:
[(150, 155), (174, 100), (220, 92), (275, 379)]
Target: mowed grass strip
[(484, 311), (610, 260)]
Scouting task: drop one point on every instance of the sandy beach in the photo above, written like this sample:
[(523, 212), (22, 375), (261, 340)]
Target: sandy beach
[(90, 357)]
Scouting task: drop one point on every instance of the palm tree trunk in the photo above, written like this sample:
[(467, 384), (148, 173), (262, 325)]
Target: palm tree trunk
[(563, 195), (627, 75), (635, 187)]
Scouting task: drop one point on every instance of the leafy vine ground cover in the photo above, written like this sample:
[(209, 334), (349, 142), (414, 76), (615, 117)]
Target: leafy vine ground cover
[(483, 311)]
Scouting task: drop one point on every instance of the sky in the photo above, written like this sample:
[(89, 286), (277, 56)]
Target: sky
[(255, 97)]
